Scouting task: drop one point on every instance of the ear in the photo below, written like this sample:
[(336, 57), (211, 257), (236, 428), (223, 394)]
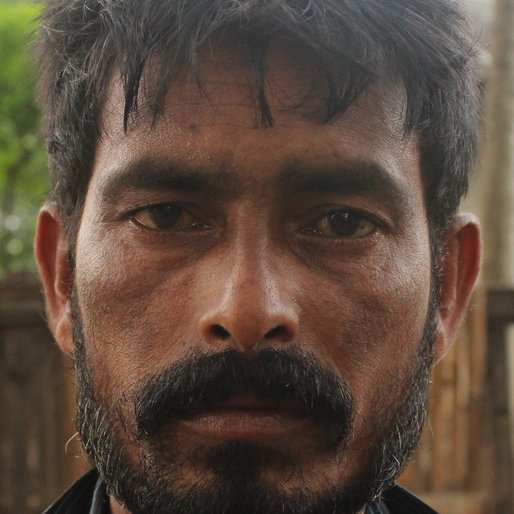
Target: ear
[(459, 269), (51, 249)]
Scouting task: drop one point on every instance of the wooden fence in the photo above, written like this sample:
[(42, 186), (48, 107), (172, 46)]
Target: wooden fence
[(500, 314), (35, 403), (463, 464)]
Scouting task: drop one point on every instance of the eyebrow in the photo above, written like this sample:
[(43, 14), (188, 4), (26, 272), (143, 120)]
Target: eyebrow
[(152, 175), (351, 178)]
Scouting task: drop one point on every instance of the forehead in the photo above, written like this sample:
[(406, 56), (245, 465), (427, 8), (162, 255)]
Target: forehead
[(220, 124)]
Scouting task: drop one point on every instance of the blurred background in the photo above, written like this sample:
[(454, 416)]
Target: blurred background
[(465, 462)]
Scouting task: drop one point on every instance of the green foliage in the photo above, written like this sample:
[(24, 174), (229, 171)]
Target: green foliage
[(23, 173)]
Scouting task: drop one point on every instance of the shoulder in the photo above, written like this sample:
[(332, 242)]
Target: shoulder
[(77, 499), (401, 501)]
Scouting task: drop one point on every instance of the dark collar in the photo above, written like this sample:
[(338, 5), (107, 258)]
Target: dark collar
[(86, 496)]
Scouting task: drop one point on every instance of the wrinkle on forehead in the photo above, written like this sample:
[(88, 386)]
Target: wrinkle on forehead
[(294, 88)]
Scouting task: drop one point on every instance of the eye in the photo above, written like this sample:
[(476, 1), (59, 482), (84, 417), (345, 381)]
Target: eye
[(166, 216), (342, 224)]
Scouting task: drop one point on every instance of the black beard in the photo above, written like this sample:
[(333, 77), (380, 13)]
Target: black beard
[(238, 486)]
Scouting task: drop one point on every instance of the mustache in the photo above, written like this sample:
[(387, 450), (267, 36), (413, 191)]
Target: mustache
[(201, 381)]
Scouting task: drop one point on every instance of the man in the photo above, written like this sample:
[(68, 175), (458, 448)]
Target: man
[(252, 250)]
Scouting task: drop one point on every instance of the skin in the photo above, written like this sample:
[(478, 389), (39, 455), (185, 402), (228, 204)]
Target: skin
[(253, 262)]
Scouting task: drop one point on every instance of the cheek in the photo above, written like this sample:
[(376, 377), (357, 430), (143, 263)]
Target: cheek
[(135, 313), (369, 323)]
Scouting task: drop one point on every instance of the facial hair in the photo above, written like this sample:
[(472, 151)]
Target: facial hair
[(156, 485)]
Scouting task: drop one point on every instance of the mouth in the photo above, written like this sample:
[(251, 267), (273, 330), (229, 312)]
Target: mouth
[(248, 418), (276, 396)]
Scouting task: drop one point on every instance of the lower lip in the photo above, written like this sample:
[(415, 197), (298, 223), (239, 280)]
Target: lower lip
[(250, 424)]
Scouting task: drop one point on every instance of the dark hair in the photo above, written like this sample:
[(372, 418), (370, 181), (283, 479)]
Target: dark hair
[(425, 43)]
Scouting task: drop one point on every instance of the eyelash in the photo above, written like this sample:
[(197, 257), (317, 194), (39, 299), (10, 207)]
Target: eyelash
[(307, 228), (176, 213), (130, 214), (358, 216)]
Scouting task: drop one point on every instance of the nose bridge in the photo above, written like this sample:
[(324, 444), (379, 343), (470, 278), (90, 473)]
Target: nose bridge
[(255, 276), (253, 305)]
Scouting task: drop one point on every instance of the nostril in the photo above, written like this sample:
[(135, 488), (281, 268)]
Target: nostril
[(219, 332), (279, 332)]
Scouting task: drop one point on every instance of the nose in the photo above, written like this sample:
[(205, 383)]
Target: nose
[(252, 307)]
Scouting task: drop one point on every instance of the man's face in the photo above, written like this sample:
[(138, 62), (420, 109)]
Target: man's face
[(251, 303)]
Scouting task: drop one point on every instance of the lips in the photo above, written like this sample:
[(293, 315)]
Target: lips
[(248, 418), (252, 403)]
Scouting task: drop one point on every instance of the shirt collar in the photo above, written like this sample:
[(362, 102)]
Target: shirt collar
[(100, 503)]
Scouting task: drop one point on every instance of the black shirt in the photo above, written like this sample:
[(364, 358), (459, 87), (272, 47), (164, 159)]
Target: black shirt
[(88, 496)]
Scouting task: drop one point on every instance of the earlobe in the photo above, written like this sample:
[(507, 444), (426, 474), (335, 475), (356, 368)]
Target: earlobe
[(51, 250), (460, 265)]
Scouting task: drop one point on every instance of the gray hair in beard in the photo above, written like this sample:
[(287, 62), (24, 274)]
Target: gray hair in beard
[(397, 439)]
